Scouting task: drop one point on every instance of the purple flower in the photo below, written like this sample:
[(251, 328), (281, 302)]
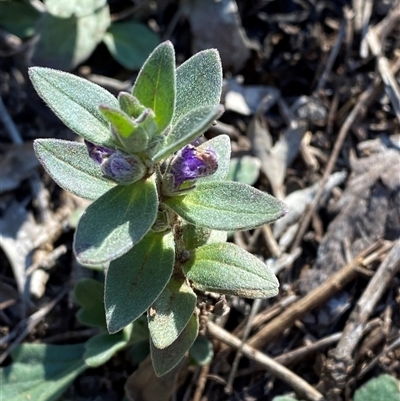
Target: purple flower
[(120, 167), (190, 164)]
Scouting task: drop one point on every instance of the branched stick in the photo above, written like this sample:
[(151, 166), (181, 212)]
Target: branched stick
[(316, 297), (341, 362), (299, 385)]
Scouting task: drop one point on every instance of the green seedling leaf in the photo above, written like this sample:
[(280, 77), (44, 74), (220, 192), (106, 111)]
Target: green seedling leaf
[(89, 294), (227, 205), (130, 43), (67, 8), (227, 269), (202, 351), (155, 84), (67, 42), (131, 135), (198, 83), (76, 102), (130, 105), (164, 360), (135, 280), (41, 372), (222, 146), (244, 169), (102, 347), (382, 388), (18, 18), (170, 313), (188, 128), (115, 222), (70, 166)]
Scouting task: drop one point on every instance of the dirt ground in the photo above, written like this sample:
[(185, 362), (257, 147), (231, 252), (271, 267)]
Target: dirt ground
[(312, 103)]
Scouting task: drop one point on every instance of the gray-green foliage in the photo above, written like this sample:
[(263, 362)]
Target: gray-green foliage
[(68, 31), (154, 233), (382, 388)]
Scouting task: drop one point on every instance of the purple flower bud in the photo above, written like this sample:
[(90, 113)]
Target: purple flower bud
[(190, 164), (122, 168), (98, 153)]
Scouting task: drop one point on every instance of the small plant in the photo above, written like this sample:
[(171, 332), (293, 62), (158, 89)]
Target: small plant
[(161, 202)]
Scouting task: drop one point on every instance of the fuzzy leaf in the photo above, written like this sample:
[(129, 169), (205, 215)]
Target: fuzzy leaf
[(76, 102), (164, 360), (130, 43), (133, 138), (41, 372), (170, 313), (227, 205), (135, 280), (102, 347), (195, 236), (227, 269), (222, 146), (198, 83), (188, 128), (89, 294), (70, 166), (114, 223), (155, 84), (381, 388), (130, 104)]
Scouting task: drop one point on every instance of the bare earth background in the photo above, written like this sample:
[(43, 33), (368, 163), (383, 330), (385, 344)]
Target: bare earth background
[(313, 112)]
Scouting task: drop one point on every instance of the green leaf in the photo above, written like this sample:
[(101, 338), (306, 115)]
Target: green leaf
[(131, 135), (115, 222), (382, 388), (41, 372), (135, 280), (227, 269), (89, 294), (76, 102), (227, 205), (195, 236), (170, 312), (67, 8), (202, 351), (188, 128), (102, 347), (130, 43), (130, 104), (65, 43), (222, 146), (164, 360), (198, 83), (70, 166), (244, 169), (155, 84), (18, 18)]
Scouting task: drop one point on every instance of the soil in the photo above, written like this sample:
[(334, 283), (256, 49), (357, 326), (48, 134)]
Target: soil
[(312, 95)]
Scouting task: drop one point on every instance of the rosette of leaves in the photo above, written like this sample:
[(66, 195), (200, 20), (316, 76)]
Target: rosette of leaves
[(161, 204)]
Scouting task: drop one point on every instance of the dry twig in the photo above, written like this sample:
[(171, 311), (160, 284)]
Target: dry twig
[(316, 297), (341, 363), (295, 382)]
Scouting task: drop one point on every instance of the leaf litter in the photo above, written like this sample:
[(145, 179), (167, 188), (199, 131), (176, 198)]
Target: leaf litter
[(311, 92)]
